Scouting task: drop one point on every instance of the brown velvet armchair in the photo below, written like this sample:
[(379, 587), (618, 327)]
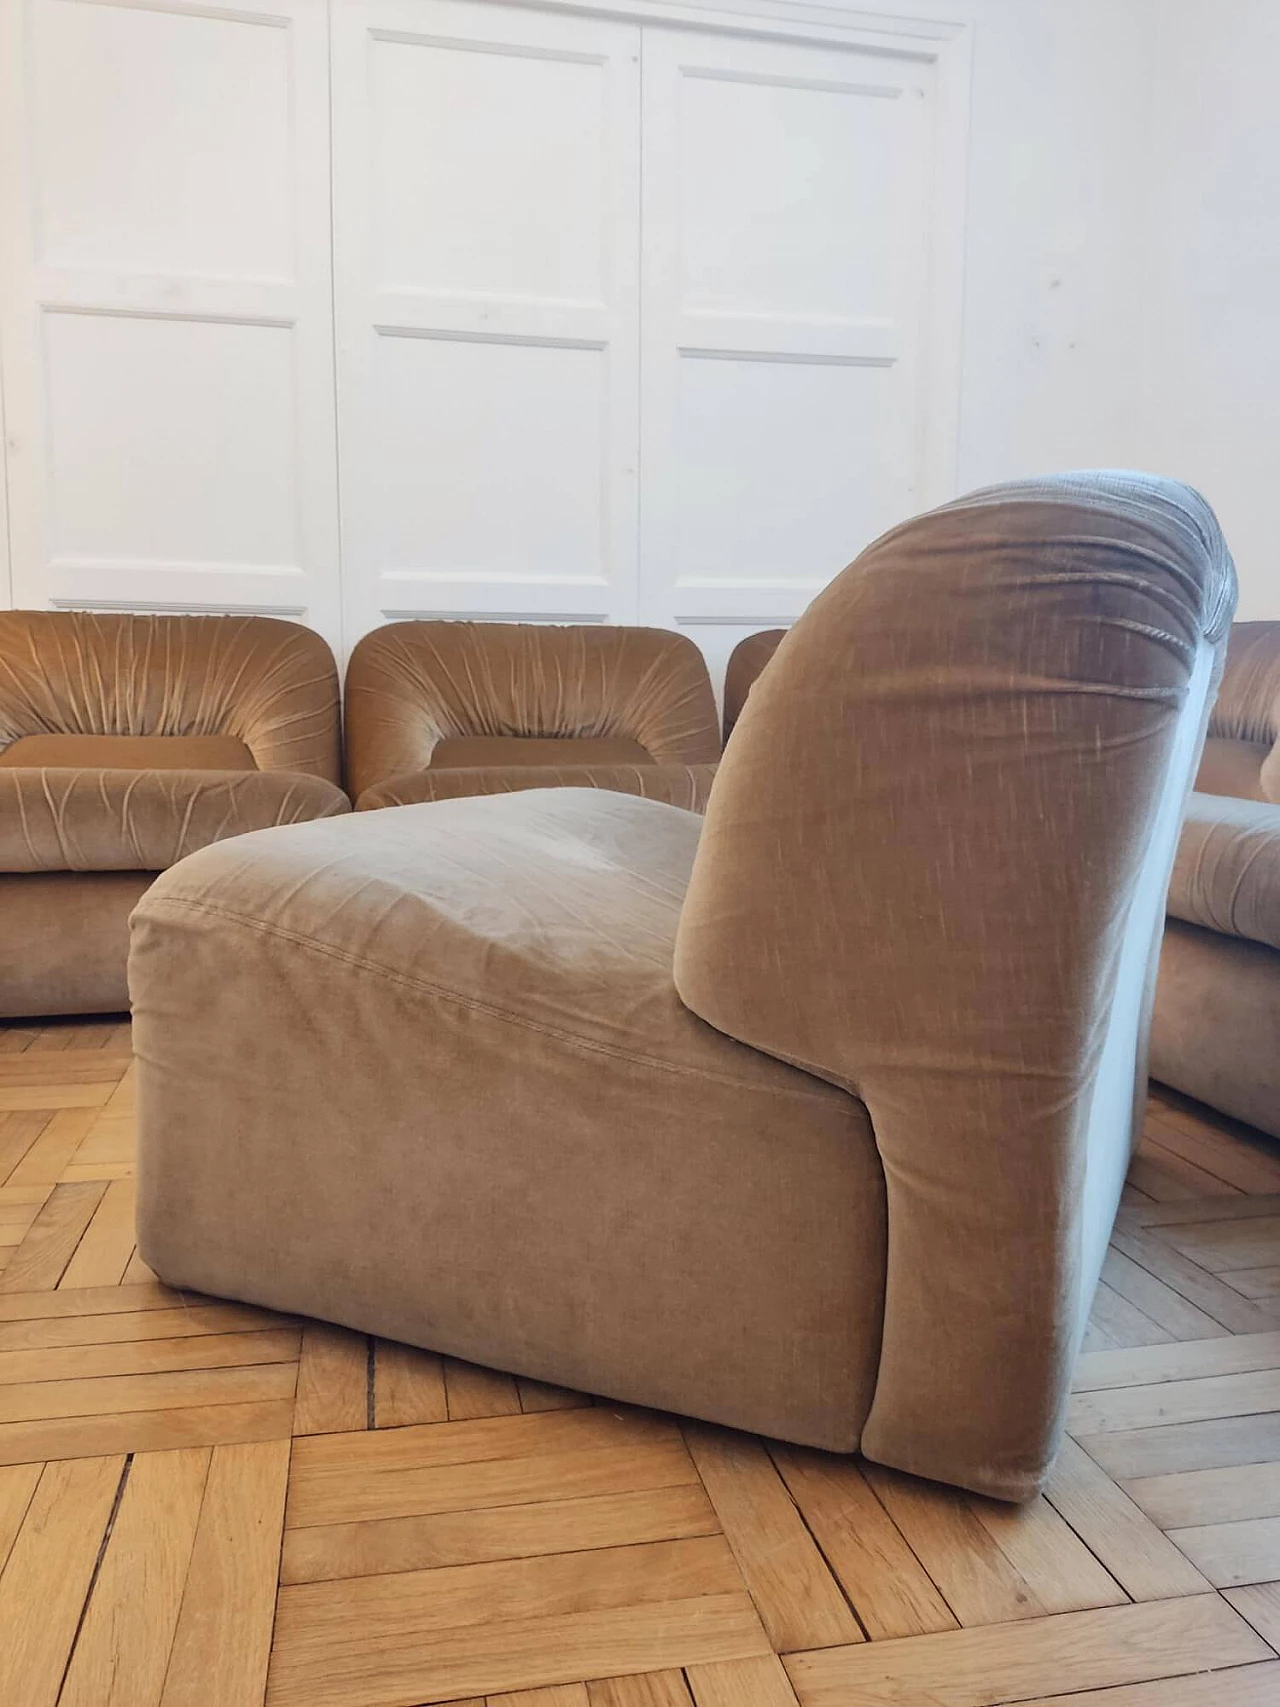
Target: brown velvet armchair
[(437, 710), (126, 742), (1216, 1030), (809, 1118), (746, 661)]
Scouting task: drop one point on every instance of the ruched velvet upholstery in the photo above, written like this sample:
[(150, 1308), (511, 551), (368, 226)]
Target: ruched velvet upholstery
[(679, 785), (812, 1120), (268, 684), (1216, 1030), (123, 820), (518, 697), (126, 742)]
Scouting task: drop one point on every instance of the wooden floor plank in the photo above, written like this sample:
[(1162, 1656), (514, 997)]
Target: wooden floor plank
[(146, 1431), (1260, 1604), (148, 1356), (333, 1381), (1241, 1686), (1159, 1302), (60, 1137), (27, 1401), (1130, 1453), (1232, 1554), (1118, 1531), (889, 1589), (1015, 1662), (47, 1576), (581, 1472), (17, 1486), (798, 1599), (103, 1253), (1160, 1403), (1187, 1361), (327, 1551), (1195, 1284), (223, 1638), (1209, 1496), (759, 1682), (53, 1333), (123, 1650), (649, 1689), (519, 1654), (1121, 1322), (473, 1392), (980, 1584), (408, 1386), (539, 1396), (92, 1301), (46, 1250)]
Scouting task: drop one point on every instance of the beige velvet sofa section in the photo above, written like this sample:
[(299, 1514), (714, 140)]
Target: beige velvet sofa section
[(127, 742), (812, 1120), (424, 1072), (1242, 753), (1216, 1033), (510, 698)]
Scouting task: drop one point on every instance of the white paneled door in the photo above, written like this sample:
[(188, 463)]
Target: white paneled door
[(566, 317), (165, 306), (487, 236), (788, 215)]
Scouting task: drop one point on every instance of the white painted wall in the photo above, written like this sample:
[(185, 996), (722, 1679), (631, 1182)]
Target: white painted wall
[(1122, 251), (1210, 395)]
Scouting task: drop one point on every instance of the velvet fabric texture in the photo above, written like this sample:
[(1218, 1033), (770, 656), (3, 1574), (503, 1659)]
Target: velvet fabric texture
[(66, 941), (1217, 1022), (268, 684), (814, 1125), (1227, 872), (127, 820), (128, 753), (679, 785), (1242, 754), (465, 695), (127, 742), (746, 661), (440, 1087), (1216, 1029)]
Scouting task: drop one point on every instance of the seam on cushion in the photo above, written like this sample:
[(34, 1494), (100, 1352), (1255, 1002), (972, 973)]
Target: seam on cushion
[(471, 1002)]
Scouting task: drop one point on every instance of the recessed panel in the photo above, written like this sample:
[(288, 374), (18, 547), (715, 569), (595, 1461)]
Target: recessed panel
[(784, 471), (170, 441), (488, 171), (795, 195), (162, 141), (488, 458)]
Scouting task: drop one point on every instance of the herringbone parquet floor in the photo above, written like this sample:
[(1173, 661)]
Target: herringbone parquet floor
[(203, 1505)]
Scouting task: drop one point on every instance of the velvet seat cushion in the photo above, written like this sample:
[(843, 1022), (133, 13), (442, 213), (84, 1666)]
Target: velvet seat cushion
[(688, 786), (427, 694), (128, 820), (495, 1128), (1226, 875), (128, 753)]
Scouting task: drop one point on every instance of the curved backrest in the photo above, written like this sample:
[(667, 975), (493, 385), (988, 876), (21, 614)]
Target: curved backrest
[(1242, 754), (84, 689), (746, 661), (933, 871), (422, 694)]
